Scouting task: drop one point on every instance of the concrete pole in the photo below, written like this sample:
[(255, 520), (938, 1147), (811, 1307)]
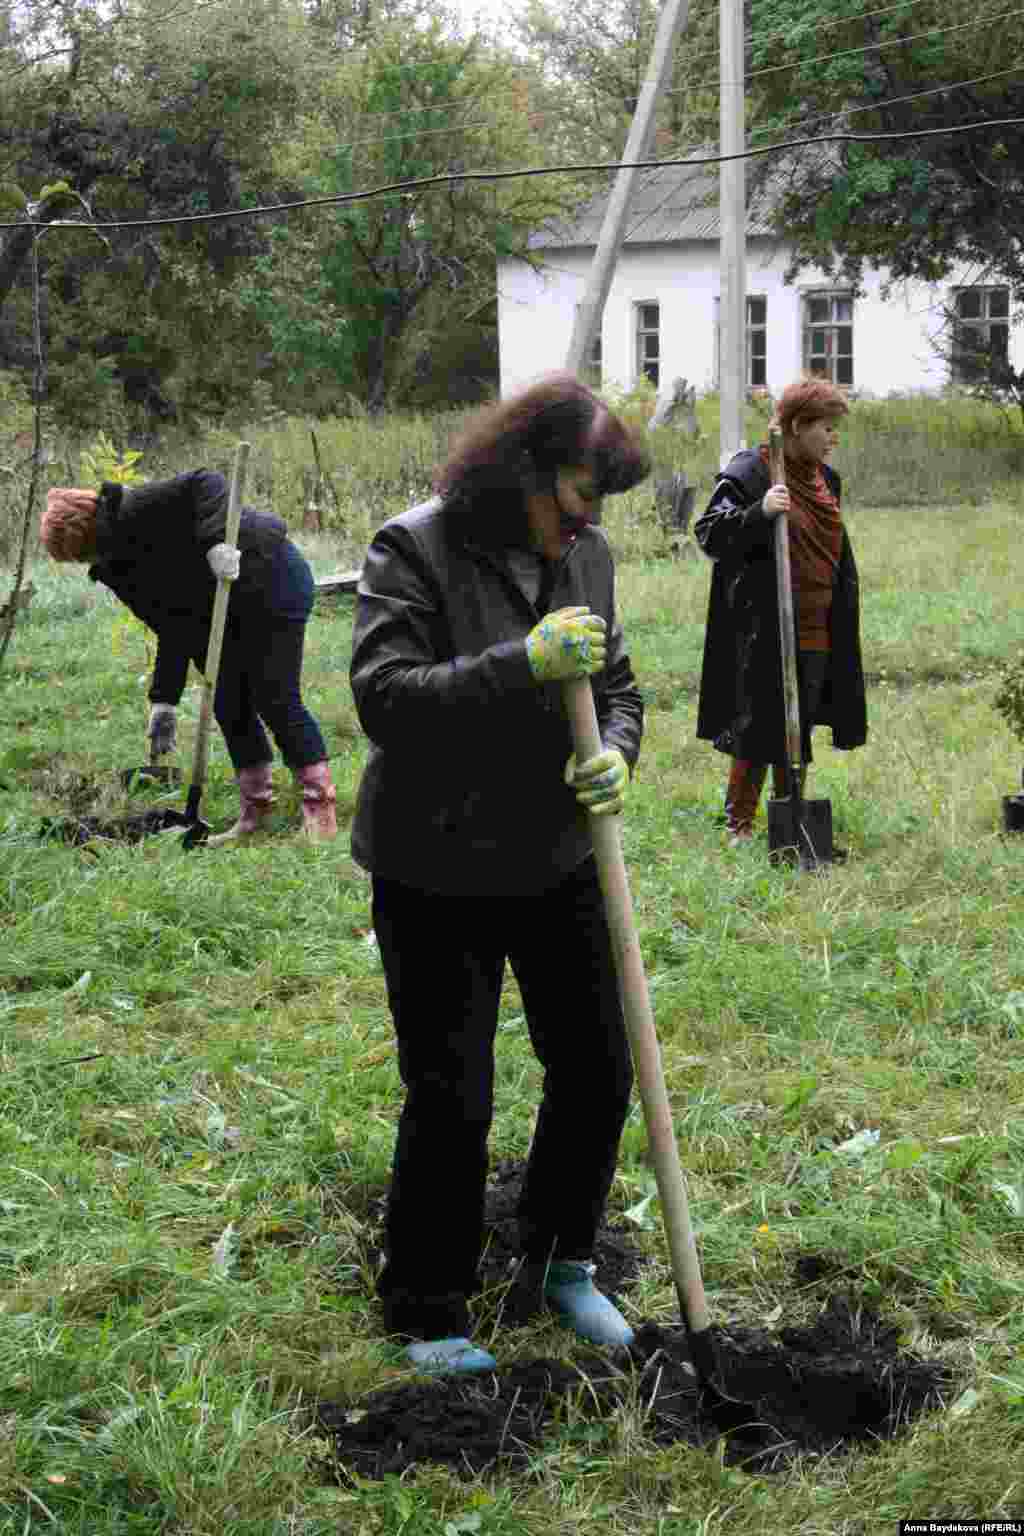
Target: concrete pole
[(732, 313), (591, 307)]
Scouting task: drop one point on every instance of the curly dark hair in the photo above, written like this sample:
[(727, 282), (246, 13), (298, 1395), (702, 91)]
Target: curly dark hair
[(519, 444)]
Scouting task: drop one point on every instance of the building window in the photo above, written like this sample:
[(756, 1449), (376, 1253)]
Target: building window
[(648, 349), (756, 342), (828, 337), (981, 333)]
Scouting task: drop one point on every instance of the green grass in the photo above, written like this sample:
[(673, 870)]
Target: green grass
[(189, 1221)]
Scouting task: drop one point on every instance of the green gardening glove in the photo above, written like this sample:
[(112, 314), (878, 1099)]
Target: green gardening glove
[(567, 643), (601, 782)]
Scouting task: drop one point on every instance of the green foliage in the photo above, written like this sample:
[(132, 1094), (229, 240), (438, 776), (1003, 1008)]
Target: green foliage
[(1009, 701), (918, 208), (102, 461), (12, 198), (192, 1216)]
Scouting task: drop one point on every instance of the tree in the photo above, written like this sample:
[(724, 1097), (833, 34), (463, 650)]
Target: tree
[(919, 207), (156, 110), (379, 278), (592, 58)]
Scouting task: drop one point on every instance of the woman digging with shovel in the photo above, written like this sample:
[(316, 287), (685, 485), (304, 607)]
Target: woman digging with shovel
[(742, 709), (472, 819), (160, 549)]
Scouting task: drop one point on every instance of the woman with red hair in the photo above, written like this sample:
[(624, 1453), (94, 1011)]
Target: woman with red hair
[(160, 549), (741, 709), (473, 819)]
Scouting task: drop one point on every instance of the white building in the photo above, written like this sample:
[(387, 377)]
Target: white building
[(661, 316)]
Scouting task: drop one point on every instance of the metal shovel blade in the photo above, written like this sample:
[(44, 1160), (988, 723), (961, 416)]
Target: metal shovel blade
[(1013, 813), (801, 836), (195, 834)]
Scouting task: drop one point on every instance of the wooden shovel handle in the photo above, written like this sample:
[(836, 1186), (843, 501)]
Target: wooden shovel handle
[(201, 755), (787, 626), (643, 1039)]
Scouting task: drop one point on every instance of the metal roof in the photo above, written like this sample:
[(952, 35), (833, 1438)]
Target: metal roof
[(674, 202)]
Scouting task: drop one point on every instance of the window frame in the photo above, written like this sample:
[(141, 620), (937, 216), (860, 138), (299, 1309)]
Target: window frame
[(830, 328), (640, 333), (960, 374), (748, 335)]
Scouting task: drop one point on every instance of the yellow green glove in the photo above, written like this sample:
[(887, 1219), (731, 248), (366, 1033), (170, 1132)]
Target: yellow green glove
[(601, 782), (567, 643)]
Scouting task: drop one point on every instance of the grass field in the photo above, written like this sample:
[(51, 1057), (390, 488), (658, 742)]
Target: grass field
[(200, 1095)]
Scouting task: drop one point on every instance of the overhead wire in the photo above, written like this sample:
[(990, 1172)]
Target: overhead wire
[(689, 90), (756, 37), (842, 112), (421, 183)]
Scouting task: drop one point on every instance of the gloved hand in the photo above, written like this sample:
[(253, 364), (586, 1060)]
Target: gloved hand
[(162, 729), (601, 782), (224, 561), (567, 643)]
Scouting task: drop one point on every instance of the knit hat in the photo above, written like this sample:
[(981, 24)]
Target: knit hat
[(68, 527)]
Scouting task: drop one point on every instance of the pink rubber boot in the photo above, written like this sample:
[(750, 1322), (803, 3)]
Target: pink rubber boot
[(256, 794), (318, 799)]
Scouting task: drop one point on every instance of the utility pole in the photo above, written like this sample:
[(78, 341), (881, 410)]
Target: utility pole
[(732, 212), (599, 279)]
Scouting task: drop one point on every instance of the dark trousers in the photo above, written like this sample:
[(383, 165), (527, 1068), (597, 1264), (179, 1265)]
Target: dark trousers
[(259, 683), (444, 959), (812, 672), (261, 662)]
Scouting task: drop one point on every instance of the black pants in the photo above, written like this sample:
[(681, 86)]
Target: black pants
[(261, 666), (444, 959), (812, 674), (259, 682)]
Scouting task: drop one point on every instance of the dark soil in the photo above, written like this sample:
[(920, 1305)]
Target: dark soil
[(837, 1384), (123, 829)]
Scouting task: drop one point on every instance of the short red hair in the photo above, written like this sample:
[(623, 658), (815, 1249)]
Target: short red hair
[(809, 398), (68, 527)]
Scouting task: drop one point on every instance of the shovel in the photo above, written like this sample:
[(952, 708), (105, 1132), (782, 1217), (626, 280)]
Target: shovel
[(798, 829), (643, 1040), (82, 830), (197, 830)]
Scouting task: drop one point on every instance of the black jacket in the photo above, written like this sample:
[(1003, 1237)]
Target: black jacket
[(741, 707), (151, 548), (463, 792)]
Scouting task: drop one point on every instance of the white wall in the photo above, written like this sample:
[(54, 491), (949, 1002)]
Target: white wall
[(535, 312)]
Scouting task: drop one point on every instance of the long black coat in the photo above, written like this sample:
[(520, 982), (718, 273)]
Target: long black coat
[(741, 709), (463, 792), (151, 548)]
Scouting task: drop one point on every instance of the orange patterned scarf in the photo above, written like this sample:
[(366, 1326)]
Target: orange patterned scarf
[(815, 545)]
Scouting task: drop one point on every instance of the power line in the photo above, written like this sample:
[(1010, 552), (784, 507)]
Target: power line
[(869, 106), (896, 42), (755, 37), (693, 90), (689, 91), (422, 183)]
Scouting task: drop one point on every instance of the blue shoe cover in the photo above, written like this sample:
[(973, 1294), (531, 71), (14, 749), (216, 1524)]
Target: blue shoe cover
[(449, 1357), (570, 1290)]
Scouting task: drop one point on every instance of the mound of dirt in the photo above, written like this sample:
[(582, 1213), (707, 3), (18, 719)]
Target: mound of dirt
[(78, 830), (841, 1383)]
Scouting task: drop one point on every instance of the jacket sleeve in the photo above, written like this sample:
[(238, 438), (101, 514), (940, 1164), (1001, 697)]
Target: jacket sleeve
[(170, 672), (619, 702), (733, 524), (407, 686)]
